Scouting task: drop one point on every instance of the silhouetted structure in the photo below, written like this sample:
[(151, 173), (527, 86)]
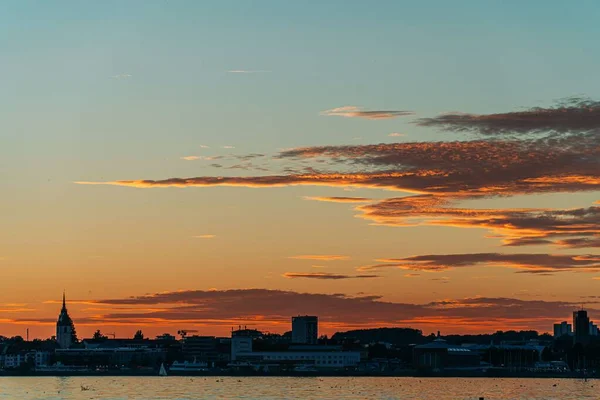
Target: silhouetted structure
[(581, 325), (562, 329), (593, 329), (440, 355), (208, 349), (305, 329), (65, 329)]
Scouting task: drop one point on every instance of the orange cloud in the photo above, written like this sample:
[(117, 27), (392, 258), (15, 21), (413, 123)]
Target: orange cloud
[(525, 262), (325, 275), (566, 158), (205, 236), (271, 309), (340, 199), (518, 227), (322, 257)]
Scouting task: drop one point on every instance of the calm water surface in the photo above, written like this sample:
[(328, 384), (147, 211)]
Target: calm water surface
[(180, 388)]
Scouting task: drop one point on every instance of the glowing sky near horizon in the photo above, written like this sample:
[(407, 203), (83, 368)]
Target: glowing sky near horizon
[(201, 165)]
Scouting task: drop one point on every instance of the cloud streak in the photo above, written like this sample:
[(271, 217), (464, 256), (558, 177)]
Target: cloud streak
[(536, 151), (325, 276), (321, 257), (339, 199), (572, 115), (524, 262), (270, 310), (572, 228), (357, 112)]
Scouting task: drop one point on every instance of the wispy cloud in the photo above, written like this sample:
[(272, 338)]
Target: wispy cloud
[(203, 158), (339, 199), (524, 262), (565, 159), (121, 76), (570, 228), (229, 147), (396, 134), (571, 115), (321, 257), (357, 112), (325, 275), (207, 236)]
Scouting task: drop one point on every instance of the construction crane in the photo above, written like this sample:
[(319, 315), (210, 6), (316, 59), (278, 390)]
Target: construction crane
[(183, 332), (112, 334)]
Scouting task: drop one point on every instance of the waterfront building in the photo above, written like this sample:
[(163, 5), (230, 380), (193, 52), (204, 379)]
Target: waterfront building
[(65, 329), (240, 344), (581, 326), (321, 359), (439, 355), (562, 329), (109, 356), (593, 329), (305, 329), (301, 354), (201, 348)]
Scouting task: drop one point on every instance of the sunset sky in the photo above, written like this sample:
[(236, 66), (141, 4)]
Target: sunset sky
[(178, 164)]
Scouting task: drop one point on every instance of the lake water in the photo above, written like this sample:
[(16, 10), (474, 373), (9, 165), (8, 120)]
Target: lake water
[(180, 388)]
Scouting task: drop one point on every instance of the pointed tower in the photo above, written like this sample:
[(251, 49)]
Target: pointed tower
[(65, 329)]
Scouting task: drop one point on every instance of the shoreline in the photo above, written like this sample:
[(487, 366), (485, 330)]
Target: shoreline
[(320, 374)]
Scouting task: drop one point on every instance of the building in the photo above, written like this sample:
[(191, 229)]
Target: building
[(439, 355), (581, 327), (321, 359), (240, 343), (111, 357), (33, 359), (562, 329), (65, 329), (201, 348), (593, 329), (301, 354), (305, 329), (510, 354)]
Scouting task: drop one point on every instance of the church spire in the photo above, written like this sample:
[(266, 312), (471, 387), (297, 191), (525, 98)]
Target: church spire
[(64, 307)]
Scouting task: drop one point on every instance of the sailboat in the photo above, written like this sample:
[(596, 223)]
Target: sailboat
[(162, 371)]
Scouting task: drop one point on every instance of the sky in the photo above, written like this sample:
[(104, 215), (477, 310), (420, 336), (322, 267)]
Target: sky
[(202, 165)]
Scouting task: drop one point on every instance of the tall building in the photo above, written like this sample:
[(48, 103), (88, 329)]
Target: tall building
[(581, 326), (562, 329), (593, 329), (200, 348), (65, 329), (305, 329)]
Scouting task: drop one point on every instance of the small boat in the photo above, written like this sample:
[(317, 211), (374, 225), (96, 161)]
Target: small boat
[(186, 366), (305, 368), (162, 371)]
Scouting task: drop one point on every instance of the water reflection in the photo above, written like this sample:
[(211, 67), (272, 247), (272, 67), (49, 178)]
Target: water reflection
[(184, 388)]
